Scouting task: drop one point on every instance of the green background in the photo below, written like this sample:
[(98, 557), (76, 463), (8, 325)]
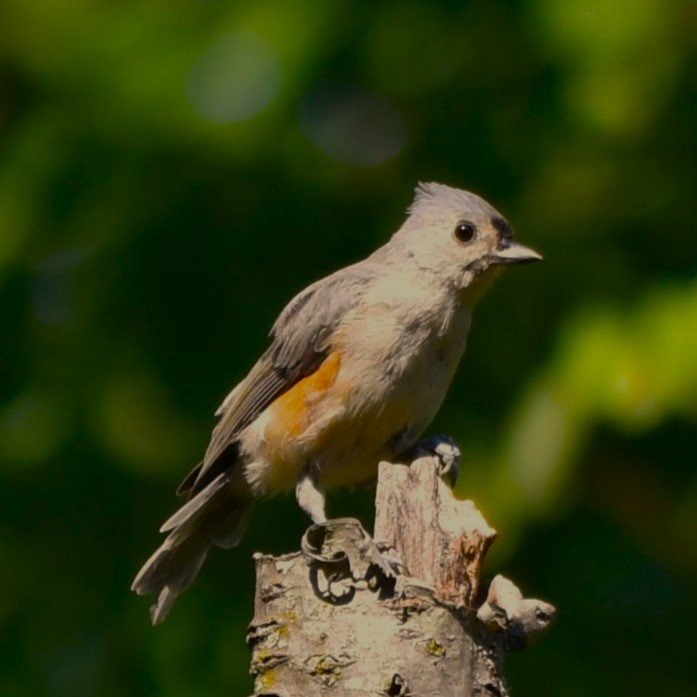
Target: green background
[(172, 172)]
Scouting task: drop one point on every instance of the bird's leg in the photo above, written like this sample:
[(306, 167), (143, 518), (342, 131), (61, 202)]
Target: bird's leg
[(310, 495)]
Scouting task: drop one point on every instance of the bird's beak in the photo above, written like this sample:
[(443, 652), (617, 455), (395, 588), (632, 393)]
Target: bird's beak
[(515, 254)]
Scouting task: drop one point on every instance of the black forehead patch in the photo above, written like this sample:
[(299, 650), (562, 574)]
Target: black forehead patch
[(503, 227)]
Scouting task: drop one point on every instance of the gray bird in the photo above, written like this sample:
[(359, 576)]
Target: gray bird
[(358, 366)]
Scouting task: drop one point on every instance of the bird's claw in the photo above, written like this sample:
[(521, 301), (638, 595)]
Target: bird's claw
[(445, 450)]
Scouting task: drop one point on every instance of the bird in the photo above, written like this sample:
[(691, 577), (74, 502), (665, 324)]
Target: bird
[(357, 366)]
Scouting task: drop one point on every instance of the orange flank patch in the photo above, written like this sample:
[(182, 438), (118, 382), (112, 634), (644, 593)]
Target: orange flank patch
[(293, 428), (291, 409)]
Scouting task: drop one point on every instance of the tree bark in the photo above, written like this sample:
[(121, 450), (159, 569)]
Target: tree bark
[(397, 616)]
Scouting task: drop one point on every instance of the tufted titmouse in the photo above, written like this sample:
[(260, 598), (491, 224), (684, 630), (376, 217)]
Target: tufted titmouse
[(358, 366)]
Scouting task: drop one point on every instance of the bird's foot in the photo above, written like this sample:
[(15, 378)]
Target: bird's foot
[(445, 450), (343, 558)]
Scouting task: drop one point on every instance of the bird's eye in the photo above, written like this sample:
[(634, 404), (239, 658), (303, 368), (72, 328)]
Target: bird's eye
[(465, 231)]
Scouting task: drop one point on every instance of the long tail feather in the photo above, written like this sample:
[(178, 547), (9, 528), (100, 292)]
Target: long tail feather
[(217, 515)]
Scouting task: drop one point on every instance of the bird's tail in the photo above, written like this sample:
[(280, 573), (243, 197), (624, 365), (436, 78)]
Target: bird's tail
[(217, 515)]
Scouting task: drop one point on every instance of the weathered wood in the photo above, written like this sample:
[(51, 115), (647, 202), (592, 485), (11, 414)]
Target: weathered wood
[(439, 539), (342, 617)]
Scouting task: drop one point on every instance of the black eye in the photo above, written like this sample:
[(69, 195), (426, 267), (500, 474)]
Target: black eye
[(465, 231)]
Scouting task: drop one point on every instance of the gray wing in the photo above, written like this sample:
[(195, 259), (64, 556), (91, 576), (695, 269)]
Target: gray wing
[(301, 339)]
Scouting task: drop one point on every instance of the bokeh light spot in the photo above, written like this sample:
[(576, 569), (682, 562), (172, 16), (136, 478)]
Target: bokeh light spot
[(353, 125), (236, 78)]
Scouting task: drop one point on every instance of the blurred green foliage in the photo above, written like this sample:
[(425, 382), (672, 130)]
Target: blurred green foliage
[(172, 172)]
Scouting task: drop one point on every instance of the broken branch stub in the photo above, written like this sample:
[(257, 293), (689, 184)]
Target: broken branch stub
[(343, 617), (439, 539)]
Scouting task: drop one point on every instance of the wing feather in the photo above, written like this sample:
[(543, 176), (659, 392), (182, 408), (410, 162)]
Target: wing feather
[(301, 339)]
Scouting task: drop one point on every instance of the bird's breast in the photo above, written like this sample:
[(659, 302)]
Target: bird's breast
[(393, 379)]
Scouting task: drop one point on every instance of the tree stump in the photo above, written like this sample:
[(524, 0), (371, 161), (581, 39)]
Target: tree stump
[(397, 616)]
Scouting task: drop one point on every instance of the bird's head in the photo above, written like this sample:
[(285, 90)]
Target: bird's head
[(459, 236)]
